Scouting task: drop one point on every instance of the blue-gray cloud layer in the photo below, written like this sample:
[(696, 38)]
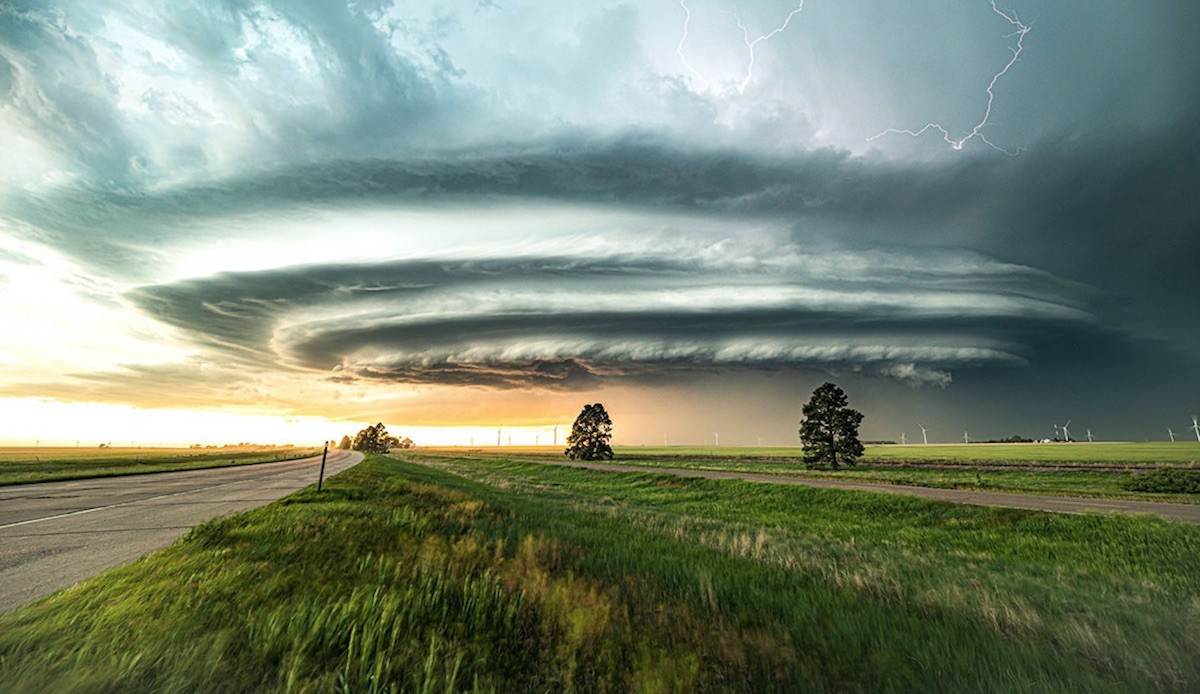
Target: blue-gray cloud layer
[(773, 236)]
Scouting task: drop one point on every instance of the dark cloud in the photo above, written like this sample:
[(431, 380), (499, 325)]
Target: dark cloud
[(1115, 212), (170, 131), (564, 322)]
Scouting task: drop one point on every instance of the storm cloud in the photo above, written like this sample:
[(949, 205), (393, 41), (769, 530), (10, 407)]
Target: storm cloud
[(565, 198), (568, 322)]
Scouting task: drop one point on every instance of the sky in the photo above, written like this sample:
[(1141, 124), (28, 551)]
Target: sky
[(227, 220)]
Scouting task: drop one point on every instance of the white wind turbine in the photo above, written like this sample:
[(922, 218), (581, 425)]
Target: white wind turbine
[(1067, 432), (924, 435), (1056, 432), (966, 438), (1171, 434), (1196, 427), (903, 438), (1089, 436)]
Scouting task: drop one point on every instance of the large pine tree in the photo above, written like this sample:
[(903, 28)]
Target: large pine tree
[(829, 429)]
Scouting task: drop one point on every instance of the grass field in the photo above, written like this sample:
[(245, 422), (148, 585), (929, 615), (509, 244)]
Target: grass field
[(1123, 453), (1151, 453), (1114, 453), (24, 465), (1108, 474), (437, 574)]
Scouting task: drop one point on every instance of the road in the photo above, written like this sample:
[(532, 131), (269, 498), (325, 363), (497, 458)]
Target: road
[(55, 534), (1188, 513)]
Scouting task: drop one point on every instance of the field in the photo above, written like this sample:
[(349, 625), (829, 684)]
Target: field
[(1108, 453), (436, 573), (24, 465), (1055, 469)]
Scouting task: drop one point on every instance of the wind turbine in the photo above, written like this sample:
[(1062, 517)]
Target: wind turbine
[(1067, 432), (1089, 435), (1171, 434), (966, 439), (924, 436), (555, 434), (1196, 427), (498, 436), (903, 438), (1055, 432), (717, 439)]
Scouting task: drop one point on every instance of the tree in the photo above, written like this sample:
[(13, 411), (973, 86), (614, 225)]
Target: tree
[(374, 439), (345, 443), (829, 429), (590, 435)]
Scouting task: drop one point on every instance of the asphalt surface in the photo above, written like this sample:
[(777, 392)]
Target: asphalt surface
[(55, 534), (1187, 513)]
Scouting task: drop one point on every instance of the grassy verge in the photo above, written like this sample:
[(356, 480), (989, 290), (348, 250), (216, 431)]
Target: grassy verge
[(25, 466), (435, 573)]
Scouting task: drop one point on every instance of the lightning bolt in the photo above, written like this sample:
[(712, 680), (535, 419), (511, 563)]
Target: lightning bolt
[(977, 131), (750, 43), (687, 19)]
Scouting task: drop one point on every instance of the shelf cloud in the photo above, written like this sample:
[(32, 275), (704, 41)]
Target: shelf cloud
[(231, 202)]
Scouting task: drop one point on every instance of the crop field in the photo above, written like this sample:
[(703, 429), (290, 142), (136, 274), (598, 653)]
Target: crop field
[(24, 465), (423, 573)]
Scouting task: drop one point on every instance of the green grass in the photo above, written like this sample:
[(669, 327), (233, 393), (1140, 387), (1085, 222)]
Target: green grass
[(437, 574), (26, 465), (1084, 483), (1083, 480), (1184, 481), (1120, 453), (1111, 453)]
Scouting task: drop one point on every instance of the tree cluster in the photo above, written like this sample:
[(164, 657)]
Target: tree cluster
[(375, 439), (829, 429), (590, 435)]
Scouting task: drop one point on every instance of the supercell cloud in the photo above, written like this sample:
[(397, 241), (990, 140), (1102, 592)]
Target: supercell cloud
[(416, 206)]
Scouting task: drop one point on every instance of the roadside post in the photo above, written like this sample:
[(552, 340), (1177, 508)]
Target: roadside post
[(321, 479)]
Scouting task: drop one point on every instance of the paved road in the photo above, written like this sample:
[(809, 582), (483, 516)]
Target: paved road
[(55, 534), (1188, 513)]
